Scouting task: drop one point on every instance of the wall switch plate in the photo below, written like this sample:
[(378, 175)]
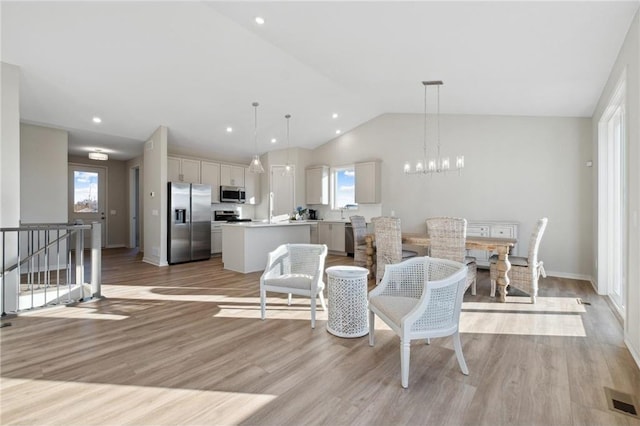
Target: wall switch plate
[(113, 212)]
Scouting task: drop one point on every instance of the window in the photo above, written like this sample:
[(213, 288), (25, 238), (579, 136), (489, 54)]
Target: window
[(85, 190), (343, 187)]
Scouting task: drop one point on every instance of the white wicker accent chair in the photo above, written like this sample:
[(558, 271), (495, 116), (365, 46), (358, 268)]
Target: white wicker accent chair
[(420, 298), (388, 244), (525, 271), (295, 269), (447, 239), (359, 225)]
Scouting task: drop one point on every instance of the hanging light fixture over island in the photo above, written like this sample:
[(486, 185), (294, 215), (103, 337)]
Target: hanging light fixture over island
[(256, 165)]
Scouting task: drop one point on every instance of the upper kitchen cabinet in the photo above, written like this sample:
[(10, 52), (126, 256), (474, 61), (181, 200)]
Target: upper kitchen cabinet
[(211, 176), (367, 180), (317, 185), (231, 175), (183, 170), (251, 187)]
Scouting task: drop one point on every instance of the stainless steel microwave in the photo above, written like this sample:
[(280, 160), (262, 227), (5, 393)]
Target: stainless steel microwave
[(232, 194)]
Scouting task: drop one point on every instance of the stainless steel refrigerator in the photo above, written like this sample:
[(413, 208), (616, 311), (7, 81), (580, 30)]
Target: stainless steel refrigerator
[(189, 230)]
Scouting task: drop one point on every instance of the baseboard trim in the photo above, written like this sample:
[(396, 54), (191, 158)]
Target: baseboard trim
[(570, 276), (632, 350), (154, 262), (115, 246)]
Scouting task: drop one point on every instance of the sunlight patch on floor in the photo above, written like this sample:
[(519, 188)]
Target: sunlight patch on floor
[(546, 304), (72, 312), (88, 403), (524, 323)]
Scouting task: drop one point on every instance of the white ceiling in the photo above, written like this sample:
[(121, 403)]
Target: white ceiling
[(196, 67)]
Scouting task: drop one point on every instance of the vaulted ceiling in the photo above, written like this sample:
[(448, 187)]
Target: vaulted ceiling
[(196, 67)]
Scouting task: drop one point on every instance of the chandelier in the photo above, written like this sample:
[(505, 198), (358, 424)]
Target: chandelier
[(256, 165), (437, 164)]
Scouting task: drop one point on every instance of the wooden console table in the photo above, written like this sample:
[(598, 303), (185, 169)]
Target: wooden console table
[(501, 245)]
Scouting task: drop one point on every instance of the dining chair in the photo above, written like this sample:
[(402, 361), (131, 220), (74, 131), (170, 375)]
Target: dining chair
[(525, 271), (295, 269), (388, 237), (447, 240), (359, 225), (420, 298)]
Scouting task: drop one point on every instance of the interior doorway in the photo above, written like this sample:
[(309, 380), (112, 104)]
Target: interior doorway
[(612, 199), (134, 207)]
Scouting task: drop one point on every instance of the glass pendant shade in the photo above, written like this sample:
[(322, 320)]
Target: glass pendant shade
[(256, 165)]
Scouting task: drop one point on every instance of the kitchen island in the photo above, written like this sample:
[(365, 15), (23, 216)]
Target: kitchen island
[(247, 244)]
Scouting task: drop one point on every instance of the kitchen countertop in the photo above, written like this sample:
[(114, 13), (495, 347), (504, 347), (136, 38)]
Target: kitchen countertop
[(265, 224)]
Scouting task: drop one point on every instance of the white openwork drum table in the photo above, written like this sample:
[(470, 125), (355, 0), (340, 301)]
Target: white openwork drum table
[(347, 291)]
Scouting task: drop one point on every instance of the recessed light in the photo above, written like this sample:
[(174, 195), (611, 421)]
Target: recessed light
[(229, 129), (338, 131), (97, 120), (259, 20), (334, 115), (274, 140)]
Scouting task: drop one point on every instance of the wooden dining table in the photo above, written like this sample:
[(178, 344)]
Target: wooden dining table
[(500, 245)]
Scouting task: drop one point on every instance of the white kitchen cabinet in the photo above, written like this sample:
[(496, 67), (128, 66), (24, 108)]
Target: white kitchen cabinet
[(183, 170), (500, 229), (231, 175), (317, 185), (313, 238), (367, 182), (251, 187), (216, 239), (210, 175), (332, 234)]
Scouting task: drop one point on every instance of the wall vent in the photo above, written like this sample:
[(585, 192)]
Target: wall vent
[(621, 402)]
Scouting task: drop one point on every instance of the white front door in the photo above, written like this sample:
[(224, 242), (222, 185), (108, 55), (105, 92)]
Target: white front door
[(87, 197)]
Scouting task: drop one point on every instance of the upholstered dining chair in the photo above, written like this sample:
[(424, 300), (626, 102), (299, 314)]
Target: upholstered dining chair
[(447, 240), (389, 250), (295, 269), (525, 271), (359, 225), (420, 298)]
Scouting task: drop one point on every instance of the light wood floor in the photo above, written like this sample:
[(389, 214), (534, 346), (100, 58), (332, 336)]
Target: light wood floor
[(185, 345)]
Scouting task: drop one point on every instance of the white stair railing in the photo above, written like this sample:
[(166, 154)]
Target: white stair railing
[(43, 264)]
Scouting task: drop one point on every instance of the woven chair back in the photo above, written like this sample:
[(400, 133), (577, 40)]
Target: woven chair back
[(359, 226), (534, 242), (388, 242), (305, 259), (447, 237)]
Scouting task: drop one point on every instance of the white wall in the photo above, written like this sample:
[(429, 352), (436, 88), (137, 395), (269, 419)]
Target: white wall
[(155, 198), (43, 174), (9, 173), (10, 146), (517, 168), (629, 59)]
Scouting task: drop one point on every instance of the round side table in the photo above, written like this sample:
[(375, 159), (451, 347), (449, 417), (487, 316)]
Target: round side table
[(347, 291)]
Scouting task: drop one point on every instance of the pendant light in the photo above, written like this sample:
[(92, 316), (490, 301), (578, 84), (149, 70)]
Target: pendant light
[(288, 168), (437, 164), (256, 164)]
